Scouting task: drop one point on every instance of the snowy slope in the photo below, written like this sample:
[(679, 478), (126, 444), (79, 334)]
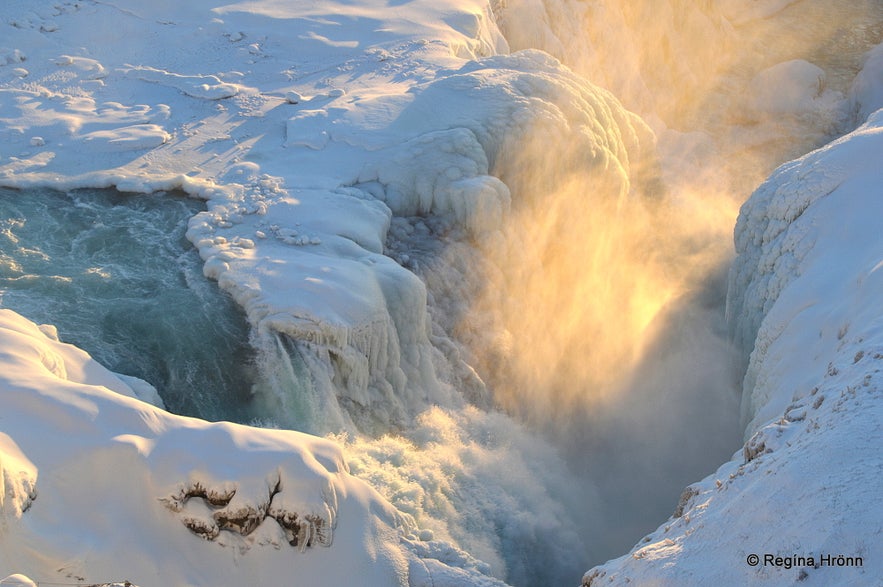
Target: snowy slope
[(93, 476), (804, 302), (99, 486)]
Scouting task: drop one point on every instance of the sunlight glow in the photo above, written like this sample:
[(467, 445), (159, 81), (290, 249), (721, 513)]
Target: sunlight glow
[(596, 259)]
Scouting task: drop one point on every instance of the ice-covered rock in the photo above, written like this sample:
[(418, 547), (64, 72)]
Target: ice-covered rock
[(792, 88), (789, 234), (866, 92)]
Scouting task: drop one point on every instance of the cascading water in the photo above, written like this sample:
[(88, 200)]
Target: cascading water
[(115, 275)]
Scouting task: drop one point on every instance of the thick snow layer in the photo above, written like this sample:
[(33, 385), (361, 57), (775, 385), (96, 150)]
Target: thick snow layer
[(808, 256), (804, 302), (90, 466)]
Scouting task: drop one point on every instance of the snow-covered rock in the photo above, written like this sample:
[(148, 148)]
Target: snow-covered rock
[(866, 92), (82, 464), (807, 254)]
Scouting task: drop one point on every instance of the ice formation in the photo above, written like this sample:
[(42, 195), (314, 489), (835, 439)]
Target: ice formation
[(19, 481)]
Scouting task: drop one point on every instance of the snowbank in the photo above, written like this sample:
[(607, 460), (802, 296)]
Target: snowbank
[(91, 466), (803, 301)]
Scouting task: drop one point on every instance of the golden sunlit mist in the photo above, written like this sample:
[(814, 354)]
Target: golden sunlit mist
[(589, 262), (595, 311), (595, 255)]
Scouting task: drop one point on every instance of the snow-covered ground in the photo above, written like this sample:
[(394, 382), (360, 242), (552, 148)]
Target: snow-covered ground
[(336, 145), (99, 486)]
